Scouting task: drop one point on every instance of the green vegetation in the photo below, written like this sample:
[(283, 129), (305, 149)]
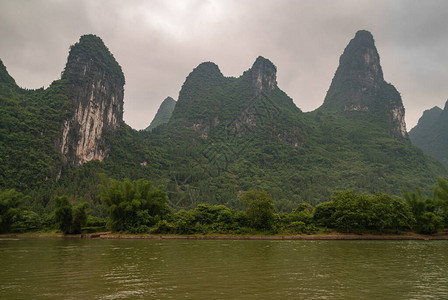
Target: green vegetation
[(134, 205), (431, 133), (223, 139), (70, 219), (29, 126), (92, 50), (163, 114), (10, 209), (430, 213), (378, 213), (235, 157), (63, 214), (259, 209), (140, 207), (14, 216), (295, 157)]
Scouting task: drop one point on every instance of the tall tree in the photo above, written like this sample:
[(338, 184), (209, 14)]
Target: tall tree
[(11, 203), (63, 214), (133, 203), (259, 209)]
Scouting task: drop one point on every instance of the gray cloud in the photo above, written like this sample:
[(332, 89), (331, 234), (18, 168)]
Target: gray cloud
[(158, 43)]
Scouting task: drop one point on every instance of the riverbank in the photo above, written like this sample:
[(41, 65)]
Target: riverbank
[(328, 236)]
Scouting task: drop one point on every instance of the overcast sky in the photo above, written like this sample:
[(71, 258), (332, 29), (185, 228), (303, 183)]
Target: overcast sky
[(158, 43)]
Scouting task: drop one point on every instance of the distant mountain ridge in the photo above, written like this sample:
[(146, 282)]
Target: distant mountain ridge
[(163, 114), (431, 133)]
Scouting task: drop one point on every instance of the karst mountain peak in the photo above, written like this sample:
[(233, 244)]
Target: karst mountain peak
[(96, 81), (358, 88)]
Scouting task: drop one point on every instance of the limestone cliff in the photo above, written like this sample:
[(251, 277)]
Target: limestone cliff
[(96, 85), (359, 89), (264, 75)]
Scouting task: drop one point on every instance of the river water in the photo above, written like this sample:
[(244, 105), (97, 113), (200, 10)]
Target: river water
[(177, 269)]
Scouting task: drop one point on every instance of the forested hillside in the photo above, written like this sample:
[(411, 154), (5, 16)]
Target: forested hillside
[(228, 135), (225, 135), (30, 125)]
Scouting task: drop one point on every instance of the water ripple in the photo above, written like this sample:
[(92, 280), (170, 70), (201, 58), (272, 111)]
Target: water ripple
[(142, 269)]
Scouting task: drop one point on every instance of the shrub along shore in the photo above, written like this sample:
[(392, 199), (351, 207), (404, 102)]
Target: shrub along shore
[(138, 209)]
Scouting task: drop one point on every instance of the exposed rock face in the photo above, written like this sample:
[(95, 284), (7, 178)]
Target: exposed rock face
[(245, 122), (359, 89), (163, 114), (360, 61), (96, 81), (204, 126), (398, 121), (264, 75)]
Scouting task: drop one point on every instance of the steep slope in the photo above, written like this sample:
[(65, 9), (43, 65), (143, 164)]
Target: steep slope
[(163, 114), (359, 89), (5, 78), (229, 134), (431, 133), (360, 130), (209, 100), (46, 130), (30, 123), (96, 83)]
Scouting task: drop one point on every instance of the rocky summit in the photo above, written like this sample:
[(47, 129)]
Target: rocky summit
[(359, 89)]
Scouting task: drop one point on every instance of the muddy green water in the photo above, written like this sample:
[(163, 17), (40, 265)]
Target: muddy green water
[(149, 269)]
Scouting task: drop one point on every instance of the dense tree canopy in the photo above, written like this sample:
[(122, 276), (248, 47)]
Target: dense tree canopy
[(133, 204), (70, 219), (259, 208), (11, 206)]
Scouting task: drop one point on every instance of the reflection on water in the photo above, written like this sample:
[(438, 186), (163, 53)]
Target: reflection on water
[(142, 269)]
